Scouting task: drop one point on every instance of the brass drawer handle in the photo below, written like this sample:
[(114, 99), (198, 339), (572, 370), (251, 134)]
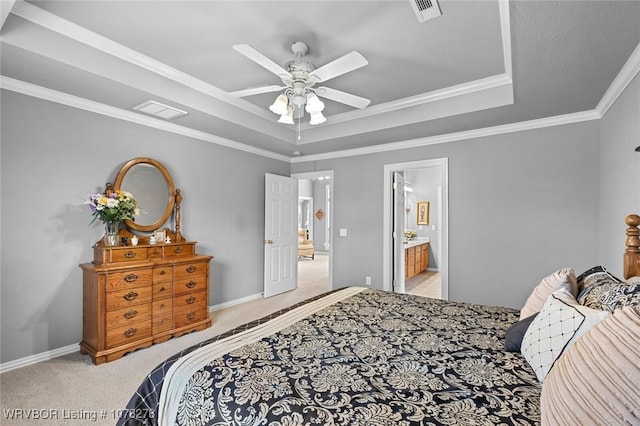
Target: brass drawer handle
[(130, 332), (162, 289), (130, 296), (130, 254), (190, 300), (191, 269), (177, 250), (130, 314), (191, 315), (191, 284), (131, 278), (163, 272)]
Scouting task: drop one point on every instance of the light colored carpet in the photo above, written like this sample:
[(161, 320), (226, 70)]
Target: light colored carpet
[(70, 390)]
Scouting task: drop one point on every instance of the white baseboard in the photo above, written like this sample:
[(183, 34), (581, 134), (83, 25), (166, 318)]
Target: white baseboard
[(54, 353), (235, 302), (34, 359)]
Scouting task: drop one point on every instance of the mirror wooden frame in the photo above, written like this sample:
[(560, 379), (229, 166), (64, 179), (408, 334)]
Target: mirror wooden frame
[(171, 196)]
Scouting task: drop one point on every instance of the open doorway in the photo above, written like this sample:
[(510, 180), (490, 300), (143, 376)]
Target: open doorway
[(315, 194), (415, 240)]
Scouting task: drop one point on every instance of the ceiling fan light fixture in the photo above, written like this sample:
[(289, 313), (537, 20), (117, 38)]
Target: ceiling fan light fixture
[(314, 104), (287, 117), (280, 105), (317, 118)]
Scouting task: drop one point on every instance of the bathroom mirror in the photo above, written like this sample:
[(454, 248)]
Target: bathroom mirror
[(151, 185)]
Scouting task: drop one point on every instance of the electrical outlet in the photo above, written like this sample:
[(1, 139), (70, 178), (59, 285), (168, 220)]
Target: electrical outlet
[(367, 280)]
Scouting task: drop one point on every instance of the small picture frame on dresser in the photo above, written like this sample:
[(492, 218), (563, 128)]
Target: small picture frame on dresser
[(160, 235)]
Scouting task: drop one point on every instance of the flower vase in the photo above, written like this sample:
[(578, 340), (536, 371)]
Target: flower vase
[(111, 233)]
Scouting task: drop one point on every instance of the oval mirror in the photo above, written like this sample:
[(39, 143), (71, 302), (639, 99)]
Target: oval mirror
[(151, 185)]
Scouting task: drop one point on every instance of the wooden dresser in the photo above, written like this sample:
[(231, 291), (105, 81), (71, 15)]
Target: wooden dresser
[(134, 297), (416, 258)]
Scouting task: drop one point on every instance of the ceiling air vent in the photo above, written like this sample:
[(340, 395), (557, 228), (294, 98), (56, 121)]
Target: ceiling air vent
[(425, 9), (160, 110)]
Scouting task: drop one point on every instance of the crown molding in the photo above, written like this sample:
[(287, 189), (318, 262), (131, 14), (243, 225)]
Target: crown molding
[(458, 136), (505, 28), (33, 90), (622, 80), (40, 92), (463, 89), (82, 35)]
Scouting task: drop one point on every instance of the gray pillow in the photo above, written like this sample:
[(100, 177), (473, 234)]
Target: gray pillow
[(514, 334)]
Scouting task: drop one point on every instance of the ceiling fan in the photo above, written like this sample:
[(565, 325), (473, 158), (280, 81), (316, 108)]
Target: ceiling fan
[(299, 77)]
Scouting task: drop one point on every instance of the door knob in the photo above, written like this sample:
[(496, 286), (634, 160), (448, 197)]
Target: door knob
[(268, 241)]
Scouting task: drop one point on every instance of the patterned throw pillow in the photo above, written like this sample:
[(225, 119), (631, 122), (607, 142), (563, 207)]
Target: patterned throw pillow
[(562, 278), (596, 380), (561, 321), (598, 289)]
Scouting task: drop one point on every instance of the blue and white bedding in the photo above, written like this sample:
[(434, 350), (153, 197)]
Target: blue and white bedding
[(353, 356)]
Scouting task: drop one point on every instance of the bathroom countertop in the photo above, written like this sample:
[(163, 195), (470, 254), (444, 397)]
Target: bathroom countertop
[(416, 242)]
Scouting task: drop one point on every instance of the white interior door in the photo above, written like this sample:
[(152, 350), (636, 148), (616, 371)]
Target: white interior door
[(398, 232), (281, 236)]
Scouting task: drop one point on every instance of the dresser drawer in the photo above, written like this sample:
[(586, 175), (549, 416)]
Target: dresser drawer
[(162, 273), (193, 299), (125, 279), (162, 323), (127, 297), (162, 307), (129, 315), (190, 314), (162, 290), (175, 250), (154, 252), (130, 333), (128, 254), (190, 285), (188, 270)]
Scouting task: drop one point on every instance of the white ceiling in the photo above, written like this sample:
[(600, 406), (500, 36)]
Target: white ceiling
[(481, 64)]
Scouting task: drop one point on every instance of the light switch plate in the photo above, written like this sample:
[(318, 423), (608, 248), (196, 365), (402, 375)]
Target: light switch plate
[(343, 232)]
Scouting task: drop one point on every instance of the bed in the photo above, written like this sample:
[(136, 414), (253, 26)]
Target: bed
[(358, 356)]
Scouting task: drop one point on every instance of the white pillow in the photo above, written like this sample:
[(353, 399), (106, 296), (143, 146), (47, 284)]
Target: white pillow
[(561, 321), (562, 278)]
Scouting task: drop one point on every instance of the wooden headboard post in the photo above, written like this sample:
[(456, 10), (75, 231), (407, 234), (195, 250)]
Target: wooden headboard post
[(632, 253)]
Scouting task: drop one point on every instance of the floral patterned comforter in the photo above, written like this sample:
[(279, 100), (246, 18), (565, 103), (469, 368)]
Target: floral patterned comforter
[(372, 358)]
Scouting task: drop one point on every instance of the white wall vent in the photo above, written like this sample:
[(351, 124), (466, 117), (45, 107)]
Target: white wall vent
[(160, 110), (425, 9)]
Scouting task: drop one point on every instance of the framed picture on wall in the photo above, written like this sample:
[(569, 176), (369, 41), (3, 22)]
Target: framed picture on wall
[(423, 213)]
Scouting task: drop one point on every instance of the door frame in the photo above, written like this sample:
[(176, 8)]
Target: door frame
[(311, 175), (443, 213)]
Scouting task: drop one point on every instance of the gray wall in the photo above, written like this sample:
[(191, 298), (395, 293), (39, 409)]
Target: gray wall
[(52, 157), (519, 205), (620, 174)]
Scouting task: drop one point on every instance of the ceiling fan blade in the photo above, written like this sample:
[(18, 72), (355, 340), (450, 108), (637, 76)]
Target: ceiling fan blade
[(349, 62), (260, 59), (256, 91), (342, 97)]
